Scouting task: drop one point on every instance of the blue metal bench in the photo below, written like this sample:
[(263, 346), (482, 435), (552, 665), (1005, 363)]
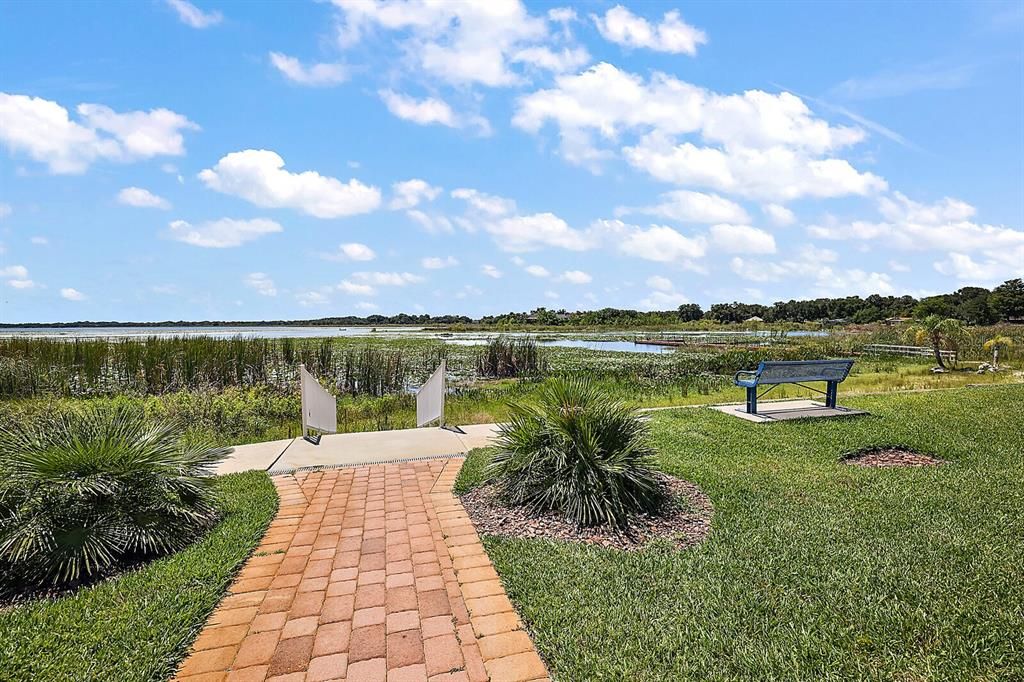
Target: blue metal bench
[(774, 372)]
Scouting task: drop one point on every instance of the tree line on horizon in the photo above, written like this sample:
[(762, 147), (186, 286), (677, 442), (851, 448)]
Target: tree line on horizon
[(971, 305)]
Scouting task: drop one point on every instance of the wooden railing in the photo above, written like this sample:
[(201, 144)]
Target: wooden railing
[(886, 349)]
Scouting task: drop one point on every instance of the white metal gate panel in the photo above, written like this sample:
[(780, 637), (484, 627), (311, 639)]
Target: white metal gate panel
[(319, 408), (430, 398)]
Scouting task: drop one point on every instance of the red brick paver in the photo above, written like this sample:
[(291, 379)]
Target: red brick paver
[(369, 573)]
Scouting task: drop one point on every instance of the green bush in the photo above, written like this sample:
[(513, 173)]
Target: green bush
[(578, 453), (88, 490)]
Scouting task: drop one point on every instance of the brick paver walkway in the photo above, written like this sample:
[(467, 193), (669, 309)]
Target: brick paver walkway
[(370, 573)]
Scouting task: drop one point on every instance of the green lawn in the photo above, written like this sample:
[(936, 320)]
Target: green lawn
[(814, 570), (138, 626)]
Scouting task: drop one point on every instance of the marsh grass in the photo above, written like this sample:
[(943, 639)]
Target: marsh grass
[(158, 365)]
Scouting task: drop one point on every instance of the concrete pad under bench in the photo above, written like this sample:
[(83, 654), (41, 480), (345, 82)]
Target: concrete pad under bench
[(785, 410)]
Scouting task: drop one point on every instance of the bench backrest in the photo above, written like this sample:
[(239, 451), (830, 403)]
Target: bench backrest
[(789, 371)]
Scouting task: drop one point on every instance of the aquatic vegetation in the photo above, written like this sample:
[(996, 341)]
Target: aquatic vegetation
[(503, 357)]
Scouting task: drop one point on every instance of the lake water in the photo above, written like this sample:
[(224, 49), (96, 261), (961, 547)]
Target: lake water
[(589, 344), (606, 341)]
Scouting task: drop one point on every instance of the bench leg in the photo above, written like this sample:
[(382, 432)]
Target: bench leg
[(830, 394), (752, 400)]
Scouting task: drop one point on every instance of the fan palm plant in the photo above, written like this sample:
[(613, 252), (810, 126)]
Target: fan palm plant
[(577, 453), (997, 344), (937, 332), (84, 491)]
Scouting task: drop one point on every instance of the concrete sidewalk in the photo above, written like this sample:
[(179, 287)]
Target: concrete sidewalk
[(347, 449), (374, 447)]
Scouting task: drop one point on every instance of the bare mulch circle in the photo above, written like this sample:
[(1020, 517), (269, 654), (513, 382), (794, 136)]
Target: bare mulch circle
[(890, 457), (684, 520)]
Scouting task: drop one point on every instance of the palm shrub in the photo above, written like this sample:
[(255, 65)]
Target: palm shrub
[(578, 453), (939, 332), (85, 491), (995, 344)]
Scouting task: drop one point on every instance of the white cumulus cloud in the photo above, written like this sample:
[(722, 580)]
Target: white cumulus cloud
[(43, 130), (431, 111), (393, 279), (410, 193), (533, 232), (741, 239), (671, 34), (352, 251), (71, 294), (778, 214), (485, 203), (658, 243), (754, 144), (491, 271), (660, 283), (576, 277), (314, 75), (812, 265), (261, 283), (223, 233), (355, 288), (460, 43), (141, 198), (439, 263), (259, 176), (945, 225), (537, 271), (692, 207), (16, 276), (193, 16)]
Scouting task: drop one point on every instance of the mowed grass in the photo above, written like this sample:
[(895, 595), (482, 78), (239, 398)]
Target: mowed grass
[(814, 570), (138, 626)]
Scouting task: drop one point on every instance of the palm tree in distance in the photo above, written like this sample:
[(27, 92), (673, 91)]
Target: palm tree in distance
[(996, 344), (936, 331)]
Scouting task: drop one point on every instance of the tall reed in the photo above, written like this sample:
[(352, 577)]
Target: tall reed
[(505, 357), (157, 365)]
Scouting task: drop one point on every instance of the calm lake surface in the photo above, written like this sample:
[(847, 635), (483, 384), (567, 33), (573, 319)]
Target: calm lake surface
[(607, 341)]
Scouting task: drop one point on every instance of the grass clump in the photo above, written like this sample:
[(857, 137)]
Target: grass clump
[(505, 357), (138, 626), (88, 490), (577, 453)]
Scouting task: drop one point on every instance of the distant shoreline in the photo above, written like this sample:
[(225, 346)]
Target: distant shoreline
[(206, 323)]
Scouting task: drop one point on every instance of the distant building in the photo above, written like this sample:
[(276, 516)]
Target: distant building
[(755, 318), (896, 320)]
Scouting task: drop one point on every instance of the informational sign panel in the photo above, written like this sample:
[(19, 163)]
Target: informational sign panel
[(430, 398), (319, 408)]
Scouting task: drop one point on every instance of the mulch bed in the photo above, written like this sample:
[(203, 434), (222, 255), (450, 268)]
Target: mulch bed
[(684, 521), (890, 457)]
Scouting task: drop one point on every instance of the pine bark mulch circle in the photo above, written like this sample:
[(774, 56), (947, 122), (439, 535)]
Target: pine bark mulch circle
[(684, 521), (890, 456)]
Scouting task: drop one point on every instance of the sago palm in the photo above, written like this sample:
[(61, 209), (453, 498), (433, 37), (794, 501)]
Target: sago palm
[(86, 490), (578, 453), (997, 344)]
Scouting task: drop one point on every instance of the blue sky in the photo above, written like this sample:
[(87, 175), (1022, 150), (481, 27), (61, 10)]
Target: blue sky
[(218, 160)]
